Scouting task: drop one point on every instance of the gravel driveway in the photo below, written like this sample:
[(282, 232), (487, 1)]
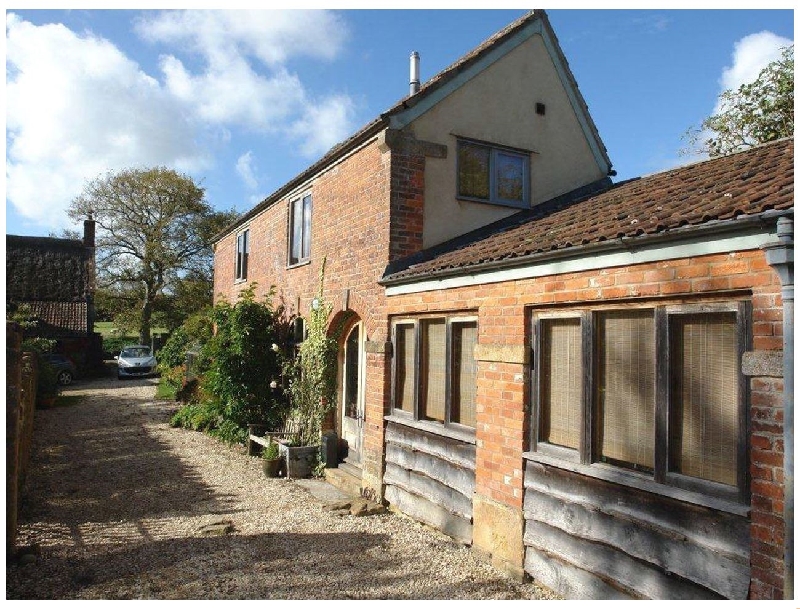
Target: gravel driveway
[(115, 499)]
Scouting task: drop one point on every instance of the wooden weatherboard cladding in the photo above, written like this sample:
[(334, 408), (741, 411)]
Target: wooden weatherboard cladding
[(431, 477), (593, 539)]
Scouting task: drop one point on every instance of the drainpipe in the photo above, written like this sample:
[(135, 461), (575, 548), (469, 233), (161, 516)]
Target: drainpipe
[(780, 256)]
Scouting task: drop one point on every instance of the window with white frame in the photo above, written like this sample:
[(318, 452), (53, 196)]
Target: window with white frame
[(242, 254), (300, 229), (493, 174), (434, 370), (661, 393)]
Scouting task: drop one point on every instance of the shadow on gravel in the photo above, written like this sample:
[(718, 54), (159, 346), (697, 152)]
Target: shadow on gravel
[(108, 442), (290, 565)]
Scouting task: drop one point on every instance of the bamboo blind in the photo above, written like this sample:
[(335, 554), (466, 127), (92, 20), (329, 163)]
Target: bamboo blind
[(626, 396), (433, 370), (561, 388), (465, 337), (704, 432), (404, 372)]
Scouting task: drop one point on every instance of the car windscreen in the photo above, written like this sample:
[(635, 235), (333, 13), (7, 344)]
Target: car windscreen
[(135, 352)]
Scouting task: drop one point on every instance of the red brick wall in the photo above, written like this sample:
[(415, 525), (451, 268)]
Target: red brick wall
[(501, 431), (766, 470), (350, 227)]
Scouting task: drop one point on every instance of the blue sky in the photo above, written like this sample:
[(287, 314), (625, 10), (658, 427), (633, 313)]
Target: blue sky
[(243, 102)]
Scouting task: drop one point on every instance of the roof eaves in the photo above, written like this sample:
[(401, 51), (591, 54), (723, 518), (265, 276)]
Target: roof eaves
[(714, 227)]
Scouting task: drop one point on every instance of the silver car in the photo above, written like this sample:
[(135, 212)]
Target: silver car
[(135, 361)]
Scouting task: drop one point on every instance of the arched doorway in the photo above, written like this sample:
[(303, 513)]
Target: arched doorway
[(352, 374)]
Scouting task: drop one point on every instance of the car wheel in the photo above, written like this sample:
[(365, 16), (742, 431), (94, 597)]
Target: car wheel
[(64, 377)]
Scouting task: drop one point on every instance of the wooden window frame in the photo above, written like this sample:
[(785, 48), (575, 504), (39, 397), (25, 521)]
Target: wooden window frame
[(665, 316), (494, 150), (242, 255), (305, 236), (417, 323)]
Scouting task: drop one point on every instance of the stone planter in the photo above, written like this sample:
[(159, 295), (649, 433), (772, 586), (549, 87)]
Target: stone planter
[(300, 460), (273, 468)]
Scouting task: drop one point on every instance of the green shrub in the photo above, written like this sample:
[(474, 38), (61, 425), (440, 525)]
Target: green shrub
[(198, 417), (243, 368), (114, 344)]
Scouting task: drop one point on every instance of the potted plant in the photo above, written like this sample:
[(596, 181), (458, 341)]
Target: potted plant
[(272, 461)]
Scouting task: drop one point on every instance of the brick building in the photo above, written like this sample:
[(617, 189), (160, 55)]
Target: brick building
[(55, 280), (577, 378)]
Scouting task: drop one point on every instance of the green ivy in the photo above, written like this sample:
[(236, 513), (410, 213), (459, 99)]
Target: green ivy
[(312, 375)]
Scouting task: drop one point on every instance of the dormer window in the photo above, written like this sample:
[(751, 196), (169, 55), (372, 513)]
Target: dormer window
[(493, 174)]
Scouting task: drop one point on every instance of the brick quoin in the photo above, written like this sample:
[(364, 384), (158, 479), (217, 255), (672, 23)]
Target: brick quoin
[(503, 416)]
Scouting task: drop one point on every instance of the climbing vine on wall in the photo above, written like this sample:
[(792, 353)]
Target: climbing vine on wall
[(312, 374)]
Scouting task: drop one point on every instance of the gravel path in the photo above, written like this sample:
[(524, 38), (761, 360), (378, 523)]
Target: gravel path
[(115, 499)]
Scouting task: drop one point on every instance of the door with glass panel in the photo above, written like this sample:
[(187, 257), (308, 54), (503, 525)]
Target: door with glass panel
[(352, 393)]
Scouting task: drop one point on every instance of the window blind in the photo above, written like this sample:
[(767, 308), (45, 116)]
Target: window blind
[(433, 370), (626, 388), (704, 429), (561, 390), (404, 371), (465, 337)]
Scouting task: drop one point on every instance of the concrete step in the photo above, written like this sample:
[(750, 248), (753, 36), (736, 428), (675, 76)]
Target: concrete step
[(346, 477)]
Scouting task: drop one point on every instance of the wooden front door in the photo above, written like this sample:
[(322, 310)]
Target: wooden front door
[(352, 393)]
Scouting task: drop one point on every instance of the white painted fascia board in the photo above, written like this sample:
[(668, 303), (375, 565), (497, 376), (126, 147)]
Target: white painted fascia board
[(750, 239)]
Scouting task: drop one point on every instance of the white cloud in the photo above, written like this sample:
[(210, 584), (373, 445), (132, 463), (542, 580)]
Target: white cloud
[(323, 125), (243, 79), (246, 171), (750, 55), (77, 107)]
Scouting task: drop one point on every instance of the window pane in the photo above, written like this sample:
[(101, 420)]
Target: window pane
[(296, 231), (306, 249), (433, 368), (465, 337), (626, 388), (404, 370), (560, 386), (704, 430), (473, 171), (510, 172)]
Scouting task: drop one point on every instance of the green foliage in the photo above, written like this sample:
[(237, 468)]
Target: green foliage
[(114, 344), (241, 363), (271, 451), (312, 376), (153, 231), (173, 352), (757, 112), (167, 389), (198, 417), (47, 378)]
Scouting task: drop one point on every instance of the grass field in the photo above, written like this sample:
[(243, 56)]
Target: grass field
[(106, 329)]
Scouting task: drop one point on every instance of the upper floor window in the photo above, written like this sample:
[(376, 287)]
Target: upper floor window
[(661, 393), (435, 373), (242, 253), (493, 174), (300, 229)]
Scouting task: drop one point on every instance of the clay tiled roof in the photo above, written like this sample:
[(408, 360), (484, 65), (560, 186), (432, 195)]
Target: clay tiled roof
[(59, 318), (726, 188)]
